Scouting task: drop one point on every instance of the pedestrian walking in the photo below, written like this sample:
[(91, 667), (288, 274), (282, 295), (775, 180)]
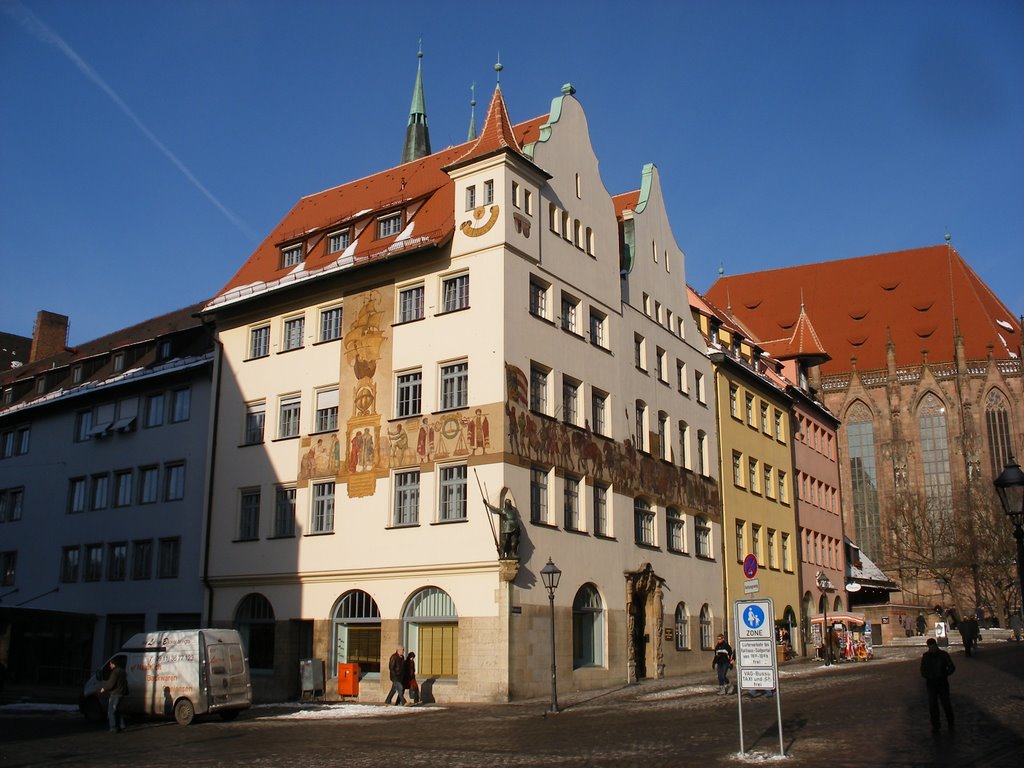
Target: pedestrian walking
[(969, 632), (117, 686), (396, 670), (1015, 626), (936, 667), (722, 662), (410, 682), (921, 624)]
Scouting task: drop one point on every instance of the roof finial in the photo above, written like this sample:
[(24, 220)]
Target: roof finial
[(801, 299), (948, 236), (721, 269), (472, 112), (419, 54), (497, 68)]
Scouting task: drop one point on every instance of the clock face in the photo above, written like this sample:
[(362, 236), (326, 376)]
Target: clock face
[(472, 230)]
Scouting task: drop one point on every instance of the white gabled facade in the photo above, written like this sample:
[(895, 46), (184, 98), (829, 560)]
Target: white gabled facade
[(486, 350)]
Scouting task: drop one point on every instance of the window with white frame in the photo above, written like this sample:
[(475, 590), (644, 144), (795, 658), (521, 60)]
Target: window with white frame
[(737, 468), (389, 225), (174, 482), (750, 411), (455, 293), (181, 404), (662, 363), (538, 495), (259, 341), (663, 451), (600, 509), (249, 514), (639, 352), (706, 631), (741, 543), (322, 514), (409, 394), (538, 298), (599, 411), (154, 415), (255, 420), (640, 438), (782, 487), (682, 628), (470, 197), (515, 195), (702, 452), (773, 561), (326, 410), (766, 484), (291, 256), (528, 202), (168, 557), (149, 484), (77, 495), (643, 515), (100, 491), (452, 493), (123, 487), (83, 426), (570, 400), (454, 385), (410, 303), (598, 324), (488, 191), (288, 413), (570, 309), (752, 475), (698, 382), (702, 533), (337, 241), (330, 323), (676, 525), (407, 498), (284, 511), (755, 542), (539, 388), (571, 503), (765, 423), (734, 401), (684, 459), (294, 330), (590, 241)]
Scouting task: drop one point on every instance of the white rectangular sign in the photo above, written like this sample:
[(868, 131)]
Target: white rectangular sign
[(757, 679), (756, 653), (751, 587)]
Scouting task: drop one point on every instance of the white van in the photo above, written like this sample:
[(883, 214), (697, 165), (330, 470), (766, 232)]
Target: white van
[(179, 673)]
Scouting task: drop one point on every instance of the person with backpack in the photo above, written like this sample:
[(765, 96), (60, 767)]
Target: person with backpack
[(722, 662)]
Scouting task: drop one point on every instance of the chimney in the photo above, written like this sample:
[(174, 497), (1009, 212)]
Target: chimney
[(50, 335)]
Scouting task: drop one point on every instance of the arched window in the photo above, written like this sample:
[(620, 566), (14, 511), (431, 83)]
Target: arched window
[(682, 628), (254, 620), (860, 436), (587, 628), (938, 489), (431, 629), (706, 634), (676, 533), (997, 425), (357, 632), (644, 522), (702, 534)]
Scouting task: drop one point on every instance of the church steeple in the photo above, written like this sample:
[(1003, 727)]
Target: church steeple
[(417, 136)]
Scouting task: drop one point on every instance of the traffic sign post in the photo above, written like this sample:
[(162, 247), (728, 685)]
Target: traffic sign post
[(757, 665)]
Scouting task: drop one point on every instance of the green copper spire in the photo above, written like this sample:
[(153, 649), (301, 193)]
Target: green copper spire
[(472, 113), (417, 136)]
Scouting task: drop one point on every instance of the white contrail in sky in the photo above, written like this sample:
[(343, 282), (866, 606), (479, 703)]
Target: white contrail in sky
[(40, 30)]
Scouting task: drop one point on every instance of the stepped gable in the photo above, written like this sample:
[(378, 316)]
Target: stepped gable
[(421, 189), (916, 295)]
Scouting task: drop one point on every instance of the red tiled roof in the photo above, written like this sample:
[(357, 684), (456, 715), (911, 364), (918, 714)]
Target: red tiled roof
[(625, 202), (803, 342), (915, 295), (420, 188), (497, 132)]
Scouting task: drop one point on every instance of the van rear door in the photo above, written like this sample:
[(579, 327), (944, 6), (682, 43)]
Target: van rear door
[(229, 683)]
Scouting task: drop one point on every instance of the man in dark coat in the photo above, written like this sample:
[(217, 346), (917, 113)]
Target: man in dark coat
[(969, 632), (936, 667), (396, 669), (722, 662), (117, 687)]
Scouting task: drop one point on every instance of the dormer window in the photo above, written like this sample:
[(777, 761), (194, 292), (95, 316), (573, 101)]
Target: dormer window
[(76, 375), (119, 361), (389, 225), (165, 349), (291, 256), (40, 385), (338, 241)]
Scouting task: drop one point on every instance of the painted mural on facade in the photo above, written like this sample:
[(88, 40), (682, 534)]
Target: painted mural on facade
[(578, 450)]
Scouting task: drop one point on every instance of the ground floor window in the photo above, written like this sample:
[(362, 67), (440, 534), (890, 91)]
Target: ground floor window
[(357, 632), (587, 628), (682, 628), (706, 631), (431, 629)]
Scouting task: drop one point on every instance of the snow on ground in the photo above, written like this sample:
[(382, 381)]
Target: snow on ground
[(306, 711)]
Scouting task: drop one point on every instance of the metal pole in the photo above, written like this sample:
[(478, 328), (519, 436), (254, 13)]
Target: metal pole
[(1018, 533), (554, 688), (827, 634)]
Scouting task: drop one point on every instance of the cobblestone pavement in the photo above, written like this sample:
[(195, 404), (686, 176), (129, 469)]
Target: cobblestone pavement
[(861, 714)]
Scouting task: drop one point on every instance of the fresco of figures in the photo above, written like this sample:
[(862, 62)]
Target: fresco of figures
[(545, 440)]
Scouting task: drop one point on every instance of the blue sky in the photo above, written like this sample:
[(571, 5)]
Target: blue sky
[(146, 147)]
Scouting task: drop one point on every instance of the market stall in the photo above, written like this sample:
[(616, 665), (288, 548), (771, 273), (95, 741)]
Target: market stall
[(848, 634)]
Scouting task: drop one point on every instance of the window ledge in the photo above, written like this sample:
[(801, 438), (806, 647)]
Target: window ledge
[(325, 341), (442, 411), (410, 320), (318, 533), (649, 547), (452, 311), (244, 541), (708, 558), (290, 349), (400, 526), (249, 445), (543, 524), (604, 537), (281, 536), (258, 357), (577, 531), (452, 521), (283, 439), (543, 319)]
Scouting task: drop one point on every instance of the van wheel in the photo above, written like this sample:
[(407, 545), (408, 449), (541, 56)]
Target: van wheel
[(92, 710), (184, 712), (228, 714)]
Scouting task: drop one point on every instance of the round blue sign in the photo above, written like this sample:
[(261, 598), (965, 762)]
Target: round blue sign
[(753, 616), (750, 566)]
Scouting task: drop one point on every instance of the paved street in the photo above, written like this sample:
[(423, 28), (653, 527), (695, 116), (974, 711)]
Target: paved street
[(864, 714)]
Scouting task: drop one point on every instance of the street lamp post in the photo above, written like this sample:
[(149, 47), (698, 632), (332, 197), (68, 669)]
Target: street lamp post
[(550, 576), (1010, 487), (825, 585)]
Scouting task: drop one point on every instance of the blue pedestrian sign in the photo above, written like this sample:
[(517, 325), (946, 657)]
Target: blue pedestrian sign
[(753, 616), (754, 619)]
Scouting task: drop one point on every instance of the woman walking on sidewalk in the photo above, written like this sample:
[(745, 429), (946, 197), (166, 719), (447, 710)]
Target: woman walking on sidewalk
[(722, 663)]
